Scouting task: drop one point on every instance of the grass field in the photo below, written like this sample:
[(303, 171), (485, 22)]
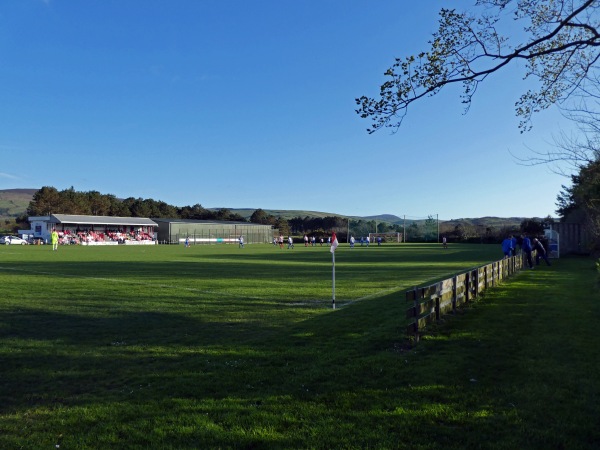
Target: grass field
[(220, 347)]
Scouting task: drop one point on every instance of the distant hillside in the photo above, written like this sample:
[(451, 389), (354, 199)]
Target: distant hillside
[(492, 222), (14, 202), (385, 218), (286, 214)]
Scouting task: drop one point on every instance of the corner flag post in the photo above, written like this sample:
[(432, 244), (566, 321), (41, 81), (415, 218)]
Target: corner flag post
[(333, 284), (334, 244)]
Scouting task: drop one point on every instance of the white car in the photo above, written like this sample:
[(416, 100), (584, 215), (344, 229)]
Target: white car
[(12, 240)]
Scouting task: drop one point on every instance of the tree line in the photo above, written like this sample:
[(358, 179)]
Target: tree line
[(49, 200)]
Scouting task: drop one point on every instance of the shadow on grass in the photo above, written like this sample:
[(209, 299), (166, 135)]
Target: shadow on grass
[(338, 379)]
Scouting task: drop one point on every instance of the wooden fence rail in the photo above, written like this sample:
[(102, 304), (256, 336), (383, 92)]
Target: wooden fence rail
[(429, 303)]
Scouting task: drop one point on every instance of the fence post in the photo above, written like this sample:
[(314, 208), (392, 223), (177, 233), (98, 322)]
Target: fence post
[(416, 306), (454, 282), (438, 294), (485, 277)]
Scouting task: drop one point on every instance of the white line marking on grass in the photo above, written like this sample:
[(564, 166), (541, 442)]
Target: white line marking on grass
[(376, 294)]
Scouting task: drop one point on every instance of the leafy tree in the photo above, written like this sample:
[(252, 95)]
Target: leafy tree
[(560, 49), (226, 214), (296, 225), (74, 202), (261, 217), (582, 200), (258, 216), (533, 226), (117, 207), (138, 207), (430, 233), (282, 225), (413, 233), (196, 212), (45, 201), (99, 204)]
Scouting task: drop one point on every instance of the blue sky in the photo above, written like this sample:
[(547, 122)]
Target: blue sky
[(245, 104)]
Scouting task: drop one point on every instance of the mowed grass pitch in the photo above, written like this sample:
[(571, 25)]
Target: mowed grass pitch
[(221, 347)]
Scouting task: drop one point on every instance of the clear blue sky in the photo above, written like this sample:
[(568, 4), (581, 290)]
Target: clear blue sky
[(250, 104)]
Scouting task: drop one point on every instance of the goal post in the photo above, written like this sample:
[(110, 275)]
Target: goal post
[(386, 237)]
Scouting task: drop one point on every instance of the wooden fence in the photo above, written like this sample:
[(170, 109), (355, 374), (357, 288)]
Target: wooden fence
[(429, 303)]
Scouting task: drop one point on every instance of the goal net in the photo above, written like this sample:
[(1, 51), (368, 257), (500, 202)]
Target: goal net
[(385, 237)]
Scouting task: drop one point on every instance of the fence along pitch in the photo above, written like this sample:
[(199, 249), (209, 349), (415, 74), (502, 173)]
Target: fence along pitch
[(430, 302)]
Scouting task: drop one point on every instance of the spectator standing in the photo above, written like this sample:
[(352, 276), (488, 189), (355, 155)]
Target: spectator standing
[(507, 247), (540, 252), (526, 247), (520, 243), (515, 242)]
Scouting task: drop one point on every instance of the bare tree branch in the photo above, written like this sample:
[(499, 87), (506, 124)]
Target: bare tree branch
[(561, 53)]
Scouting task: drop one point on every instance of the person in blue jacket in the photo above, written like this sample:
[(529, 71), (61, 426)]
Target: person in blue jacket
[(515, 242), (526, 247), (507, 246)]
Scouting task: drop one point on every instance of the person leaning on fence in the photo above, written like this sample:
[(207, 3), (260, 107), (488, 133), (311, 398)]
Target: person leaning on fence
[(540, 252), (515, 242), (507, 247), (526, 247)]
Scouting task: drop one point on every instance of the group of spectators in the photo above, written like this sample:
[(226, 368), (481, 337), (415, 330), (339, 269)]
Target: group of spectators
[(511, 244), (70, 237)]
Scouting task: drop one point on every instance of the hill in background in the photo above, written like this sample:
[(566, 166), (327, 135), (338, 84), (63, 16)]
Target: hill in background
[(14, 202)]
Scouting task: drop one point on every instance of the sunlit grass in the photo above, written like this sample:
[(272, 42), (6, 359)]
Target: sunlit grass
[(218, 347)]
